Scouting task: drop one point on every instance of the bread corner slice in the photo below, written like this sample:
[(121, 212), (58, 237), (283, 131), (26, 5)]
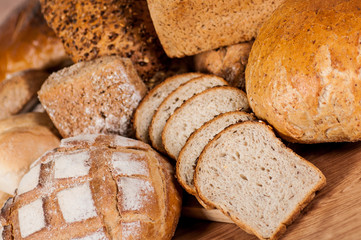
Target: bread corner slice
[(251, 176), (149, 105)]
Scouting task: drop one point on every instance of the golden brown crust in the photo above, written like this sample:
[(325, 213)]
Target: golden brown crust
[(142, 201), (107, 28), (303, 73), (26, 41), (18, 90), (282, 228)]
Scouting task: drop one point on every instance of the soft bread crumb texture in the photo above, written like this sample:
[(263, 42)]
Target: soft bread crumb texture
[(213, 23), (303, 73), (248, 173), (98, 96)]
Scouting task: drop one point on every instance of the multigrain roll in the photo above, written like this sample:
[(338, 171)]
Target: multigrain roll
[(98, 96), (90, 29), (95, 187), (23, 138), (303, 73)]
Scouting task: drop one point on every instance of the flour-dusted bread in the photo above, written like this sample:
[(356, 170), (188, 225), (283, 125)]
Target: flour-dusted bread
[(90, 29), (98, 96), (96, 187), (198, 110), (149, 105), (189, 27), (226, 62), (175, 100), (23, 139), (252, 177), (188, 156), (303, 74)]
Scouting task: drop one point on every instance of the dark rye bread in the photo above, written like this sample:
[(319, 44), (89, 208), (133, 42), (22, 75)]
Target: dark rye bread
[(149, 105), (188, 156), (98, 96), (90, 29), (252, 177), (188, 27), (198, 110), (175, 100)]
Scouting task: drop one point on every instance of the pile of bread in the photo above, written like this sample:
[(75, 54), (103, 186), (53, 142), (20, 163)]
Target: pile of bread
[(197, 80)]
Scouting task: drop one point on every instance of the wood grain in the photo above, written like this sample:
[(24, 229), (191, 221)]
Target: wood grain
[(335, 213)]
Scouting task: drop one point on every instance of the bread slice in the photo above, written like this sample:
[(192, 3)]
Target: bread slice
[(175, 100), (188, 156), (149, 105), (198, 110), (251, 176)]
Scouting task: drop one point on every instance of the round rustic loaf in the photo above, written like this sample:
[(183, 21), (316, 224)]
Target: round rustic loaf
[(90, 29), (95, 187), (303, 73), (17, 149)]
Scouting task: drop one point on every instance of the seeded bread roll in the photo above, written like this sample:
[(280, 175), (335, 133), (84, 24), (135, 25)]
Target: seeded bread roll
[(198, 110), (23, 138), (188, 156), (303, 71), (175, 100), (226, 62), (189, 27), (90, 29), (18, 91), (96, 187), (252, 177), (149, 105), (98, 96)]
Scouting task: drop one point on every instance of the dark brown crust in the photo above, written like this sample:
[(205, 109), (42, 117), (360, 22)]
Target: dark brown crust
[(90, 29), (282, 228)]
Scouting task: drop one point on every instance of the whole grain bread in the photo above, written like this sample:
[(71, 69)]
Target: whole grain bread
[(96, 187), (226, 62), (90, 29), (188, 156), (252, 177), (98, 96), (149, 105), (198, 110), (174, 101), (189, 27), (303, 75)]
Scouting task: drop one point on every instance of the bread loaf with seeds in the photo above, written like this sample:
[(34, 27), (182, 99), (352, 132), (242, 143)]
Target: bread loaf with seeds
[(96, 187)]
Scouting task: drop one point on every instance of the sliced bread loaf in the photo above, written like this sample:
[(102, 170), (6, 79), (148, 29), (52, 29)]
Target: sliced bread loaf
[(188, 156), (198, 110), (175, 100), (251, 176), (149, 105)]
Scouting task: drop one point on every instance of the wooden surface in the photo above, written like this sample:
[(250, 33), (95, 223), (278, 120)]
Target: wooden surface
[(335, 213)]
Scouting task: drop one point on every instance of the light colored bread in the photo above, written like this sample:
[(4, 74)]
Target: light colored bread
[(149, 105), (26, 41), (18, 90), (226, 62), (174, 101), (212, 24), (96, 187), (23, 138), (252, 177), (303, 71), (98, 96), (198, 110), (188, 156), (90, 29)]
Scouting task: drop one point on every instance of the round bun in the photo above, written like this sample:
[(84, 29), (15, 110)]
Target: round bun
[(17, 149), (96, 187), (303, 73), (90, 29)]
